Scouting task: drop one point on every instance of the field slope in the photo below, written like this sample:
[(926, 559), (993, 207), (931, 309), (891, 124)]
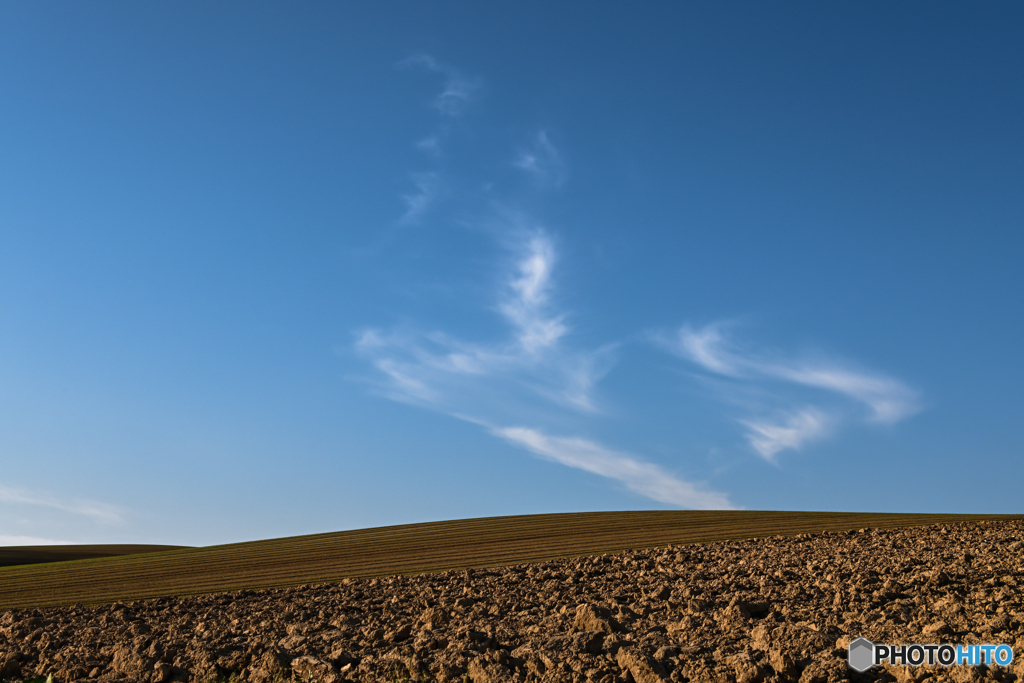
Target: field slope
[(408, 549), (35, 554)]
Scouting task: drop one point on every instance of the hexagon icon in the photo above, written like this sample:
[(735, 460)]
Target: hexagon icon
[(861, 654)]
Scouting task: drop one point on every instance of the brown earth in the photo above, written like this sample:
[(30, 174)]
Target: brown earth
[(11, 556), (755, 611), (411, 549)]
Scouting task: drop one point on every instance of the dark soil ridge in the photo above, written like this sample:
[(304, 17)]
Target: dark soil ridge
[(769, 610), (409, 549), (38, 554)]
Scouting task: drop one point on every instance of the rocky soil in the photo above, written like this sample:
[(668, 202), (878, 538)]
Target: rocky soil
[(757, 611)]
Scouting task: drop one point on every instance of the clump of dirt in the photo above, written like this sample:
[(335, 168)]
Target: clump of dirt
[(759, 611)]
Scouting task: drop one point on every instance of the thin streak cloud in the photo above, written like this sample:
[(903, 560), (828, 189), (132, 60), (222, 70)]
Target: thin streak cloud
[(768, 438), (459, 90), (529, 290), (483, 384), (541, 160), (430, 144), (647, 479), (418, 201), (421, 365), (888, 400), (534, 373), (30, 540), (881, 399), (101, 512)]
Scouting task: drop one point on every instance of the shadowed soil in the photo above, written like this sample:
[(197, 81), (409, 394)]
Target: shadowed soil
[(37, 554)]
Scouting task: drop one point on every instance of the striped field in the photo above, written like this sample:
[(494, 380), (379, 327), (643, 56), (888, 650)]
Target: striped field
[(34, 554), (409, 549)]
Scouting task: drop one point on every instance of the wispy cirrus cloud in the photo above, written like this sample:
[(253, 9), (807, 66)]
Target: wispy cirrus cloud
[(417, 202), (459, 90), (532, 374), (793, 431), (434, 367), (457, 93), (882, 399), (100, 512), (498, 384), (887, 399), (542, 161), (527, 299), (526, 383), (647, 479), (30, 540), (430, 144)]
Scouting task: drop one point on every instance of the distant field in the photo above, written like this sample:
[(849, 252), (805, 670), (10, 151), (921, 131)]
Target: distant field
[(409, 549), (35, 554)]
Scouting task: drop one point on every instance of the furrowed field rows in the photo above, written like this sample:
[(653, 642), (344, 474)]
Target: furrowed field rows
[(409, 549), (33, 554)]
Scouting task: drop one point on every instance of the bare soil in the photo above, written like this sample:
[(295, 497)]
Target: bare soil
[(411, 549), (757, 611), (11, 556)]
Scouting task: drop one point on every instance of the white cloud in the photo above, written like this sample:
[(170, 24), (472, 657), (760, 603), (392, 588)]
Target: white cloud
[(485, 384), (457, 94), (430, 144), (542, 161), (459, 90), (704, 347), (417, 202), (885, 399), (29, 540), (443, 372), (889, 400), (525, 308), (647, 479), (101, 512), (421, 59), (532, 374), (769, 438)]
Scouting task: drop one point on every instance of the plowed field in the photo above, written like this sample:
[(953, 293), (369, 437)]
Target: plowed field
[(409, 549), (35, 554)]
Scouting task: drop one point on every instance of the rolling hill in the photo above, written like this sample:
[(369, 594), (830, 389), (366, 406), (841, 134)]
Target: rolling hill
[(409, 549)]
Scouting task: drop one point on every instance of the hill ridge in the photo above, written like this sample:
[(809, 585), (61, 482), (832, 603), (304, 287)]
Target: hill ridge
[(412, 549)]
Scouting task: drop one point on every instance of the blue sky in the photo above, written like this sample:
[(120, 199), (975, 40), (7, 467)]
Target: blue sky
[(271, 269)]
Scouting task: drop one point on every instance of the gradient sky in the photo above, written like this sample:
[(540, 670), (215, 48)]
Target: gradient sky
[(275, 268)]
